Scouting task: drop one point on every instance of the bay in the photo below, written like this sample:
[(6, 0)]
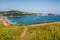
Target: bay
[(33, 19)]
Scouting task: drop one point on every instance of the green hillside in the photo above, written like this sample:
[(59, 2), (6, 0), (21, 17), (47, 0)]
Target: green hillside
[(45, 31), (15, 13)]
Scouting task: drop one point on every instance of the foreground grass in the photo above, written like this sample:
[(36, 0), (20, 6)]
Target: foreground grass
[(10, 32), (45, 31)]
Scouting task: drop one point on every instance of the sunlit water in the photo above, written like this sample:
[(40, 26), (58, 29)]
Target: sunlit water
[(32, 19)]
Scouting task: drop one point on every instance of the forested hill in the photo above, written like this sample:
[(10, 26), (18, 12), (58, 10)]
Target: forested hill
[(15, 13)]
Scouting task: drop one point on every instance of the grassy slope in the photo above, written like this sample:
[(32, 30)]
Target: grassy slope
[(46, 31), (10, 32)]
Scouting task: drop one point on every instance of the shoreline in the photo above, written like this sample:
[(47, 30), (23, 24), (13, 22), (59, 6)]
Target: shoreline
[(4, 21), (9, 21)]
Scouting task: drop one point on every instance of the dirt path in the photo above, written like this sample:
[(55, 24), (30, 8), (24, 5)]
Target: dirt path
[(23, 33)]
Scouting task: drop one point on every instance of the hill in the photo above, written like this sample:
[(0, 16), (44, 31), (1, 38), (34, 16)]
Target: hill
[(45, 31), (15, 13)]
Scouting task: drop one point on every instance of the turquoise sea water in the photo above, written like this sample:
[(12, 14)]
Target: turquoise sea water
[(33, 19)]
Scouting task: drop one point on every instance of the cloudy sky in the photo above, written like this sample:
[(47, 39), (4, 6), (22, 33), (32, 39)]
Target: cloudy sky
[(37, 6)]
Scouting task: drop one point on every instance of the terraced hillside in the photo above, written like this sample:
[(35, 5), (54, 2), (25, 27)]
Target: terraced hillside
[(45, 31)]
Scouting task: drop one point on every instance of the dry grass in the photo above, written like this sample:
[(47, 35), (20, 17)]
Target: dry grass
[(45, 31)]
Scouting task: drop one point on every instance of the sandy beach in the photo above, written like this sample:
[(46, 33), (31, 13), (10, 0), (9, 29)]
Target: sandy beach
[(2, 18)]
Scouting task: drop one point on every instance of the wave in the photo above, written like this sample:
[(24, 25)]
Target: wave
[(6, 18)]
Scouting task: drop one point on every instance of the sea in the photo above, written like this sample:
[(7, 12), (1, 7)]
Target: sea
[(33, 19)]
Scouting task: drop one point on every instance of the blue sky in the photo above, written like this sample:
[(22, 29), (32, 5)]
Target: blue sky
[(37, 6)]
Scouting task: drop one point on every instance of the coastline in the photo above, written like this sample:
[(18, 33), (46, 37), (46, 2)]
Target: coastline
[(9, 21), (4, 21)]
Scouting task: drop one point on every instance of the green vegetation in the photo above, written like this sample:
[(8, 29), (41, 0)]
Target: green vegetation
[(10, 32), (15, 13), (45, 31)]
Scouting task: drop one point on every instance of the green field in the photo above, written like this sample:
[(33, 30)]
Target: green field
[(44, 31)]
